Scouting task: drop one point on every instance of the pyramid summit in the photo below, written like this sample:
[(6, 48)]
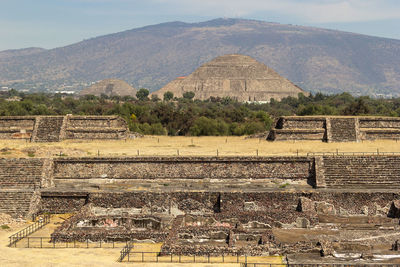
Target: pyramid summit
[(237, 76), (110, 87)]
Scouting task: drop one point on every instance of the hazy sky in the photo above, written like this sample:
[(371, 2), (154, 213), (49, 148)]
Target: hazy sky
[(54, 23)]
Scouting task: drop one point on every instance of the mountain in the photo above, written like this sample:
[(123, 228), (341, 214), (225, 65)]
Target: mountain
[(236, 76), (110, 87), (314, 59), (20, 52)]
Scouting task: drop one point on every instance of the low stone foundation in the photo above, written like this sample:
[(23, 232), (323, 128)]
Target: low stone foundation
[(57, 128), (335, 129)]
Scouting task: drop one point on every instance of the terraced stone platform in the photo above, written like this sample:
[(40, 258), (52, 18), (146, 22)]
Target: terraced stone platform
[(58, 128), (335, 128)]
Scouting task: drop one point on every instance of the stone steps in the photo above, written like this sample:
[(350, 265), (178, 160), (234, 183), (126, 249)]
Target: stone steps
[(49, 129), (20, 173), (15, 203), (362, 171)]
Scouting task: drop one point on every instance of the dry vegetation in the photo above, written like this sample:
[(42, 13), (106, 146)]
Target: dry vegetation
[(186, 146)]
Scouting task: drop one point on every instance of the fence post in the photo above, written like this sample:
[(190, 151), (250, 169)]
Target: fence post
[(87, 242), (41, 242), (28, 242), (142, 257)]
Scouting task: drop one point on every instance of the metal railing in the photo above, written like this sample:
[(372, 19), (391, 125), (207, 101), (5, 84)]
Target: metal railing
[(49, 242), (358, 153), (166, 257), (258, 264), (125, 251), (42, 221)]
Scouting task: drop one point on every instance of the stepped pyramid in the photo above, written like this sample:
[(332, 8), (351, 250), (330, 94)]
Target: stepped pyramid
[(110, 87), (236, 76)]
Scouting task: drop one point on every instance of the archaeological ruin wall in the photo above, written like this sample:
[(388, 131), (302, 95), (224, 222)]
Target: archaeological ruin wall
[(58, 128), (69, 183), (16, 127), (111, 202), (335, 129)]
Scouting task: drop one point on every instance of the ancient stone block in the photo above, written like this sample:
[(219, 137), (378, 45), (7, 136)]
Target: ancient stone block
[(325, 208)]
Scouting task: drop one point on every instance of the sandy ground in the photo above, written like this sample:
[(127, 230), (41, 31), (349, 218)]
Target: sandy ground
[(186, 146)]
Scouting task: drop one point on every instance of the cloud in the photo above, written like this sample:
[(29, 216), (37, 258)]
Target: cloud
[(322, 11)]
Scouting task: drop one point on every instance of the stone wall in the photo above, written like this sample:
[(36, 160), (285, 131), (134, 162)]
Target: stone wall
[(16, 127), (95, 127), (184, 168), (335, 129), (109, 177), (57, 128), (62, 202)]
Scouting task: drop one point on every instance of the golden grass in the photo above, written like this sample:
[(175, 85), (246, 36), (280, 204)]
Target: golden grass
[(187, 146)]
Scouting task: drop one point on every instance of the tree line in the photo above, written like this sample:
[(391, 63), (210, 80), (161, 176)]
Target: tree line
[(186, 116)]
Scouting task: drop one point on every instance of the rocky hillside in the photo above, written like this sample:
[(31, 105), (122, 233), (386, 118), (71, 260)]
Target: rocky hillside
[(315, 59)]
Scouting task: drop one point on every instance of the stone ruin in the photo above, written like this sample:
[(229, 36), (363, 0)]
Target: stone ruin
[(239, 77), (335, 128), (110, 87), (345, 208), (58, 128)]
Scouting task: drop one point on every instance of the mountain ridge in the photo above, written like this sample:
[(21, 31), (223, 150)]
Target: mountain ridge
[(315, 59)]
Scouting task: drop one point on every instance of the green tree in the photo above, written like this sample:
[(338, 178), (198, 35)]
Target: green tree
[(142, 94), (188, 95), (168, 96)]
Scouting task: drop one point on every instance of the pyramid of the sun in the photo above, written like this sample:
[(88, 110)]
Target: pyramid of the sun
[(236, 76), (110, 87)]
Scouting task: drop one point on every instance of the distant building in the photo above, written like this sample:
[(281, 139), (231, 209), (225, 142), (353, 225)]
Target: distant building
[(14, 99), (65, 92)]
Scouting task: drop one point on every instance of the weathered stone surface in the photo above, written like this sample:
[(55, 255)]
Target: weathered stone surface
[(296, 168), (306, 205), (325, 208), (236, 76), (110, 87), (335, 128), (57, 128)]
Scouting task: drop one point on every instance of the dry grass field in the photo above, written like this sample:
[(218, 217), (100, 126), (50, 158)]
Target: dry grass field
[(186, 146)]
